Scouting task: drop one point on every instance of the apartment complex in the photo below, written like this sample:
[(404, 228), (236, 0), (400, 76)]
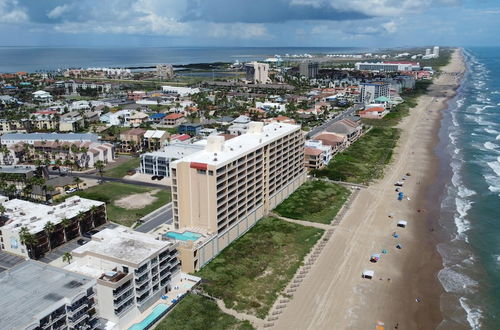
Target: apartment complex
[(388, 66), (158, 162), (309, 69), (257, 73), (41, 296), (372, 90), (223, 190), (133, 270), (23, 229)]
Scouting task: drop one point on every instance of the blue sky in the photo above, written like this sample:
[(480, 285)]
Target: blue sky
[(328, 23)]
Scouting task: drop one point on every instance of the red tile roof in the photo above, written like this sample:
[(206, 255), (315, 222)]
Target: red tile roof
[(312, 151), (174, 116)]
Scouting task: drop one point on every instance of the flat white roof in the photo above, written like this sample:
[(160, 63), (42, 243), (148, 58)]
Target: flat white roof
[(124, 244), (34, 216), (233, 149), (154, 134)]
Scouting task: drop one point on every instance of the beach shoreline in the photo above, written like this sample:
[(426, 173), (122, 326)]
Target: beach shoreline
[(405, 291)]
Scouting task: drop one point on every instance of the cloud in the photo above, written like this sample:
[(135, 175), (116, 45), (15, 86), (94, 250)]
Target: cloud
[(58, 11), (12, 12)]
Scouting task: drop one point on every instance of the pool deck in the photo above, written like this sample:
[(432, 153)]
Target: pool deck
[(183, 284)]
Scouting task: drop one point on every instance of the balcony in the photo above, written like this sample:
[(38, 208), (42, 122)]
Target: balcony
[(142, 289), (141, 280), (117, 292), (72, 312), (141, 270), (124, 301), (119, 300), (80, 319)]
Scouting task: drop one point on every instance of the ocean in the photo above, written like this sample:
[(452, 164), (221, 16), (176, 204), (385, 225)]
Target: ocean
[(34, 59), (469, 152)]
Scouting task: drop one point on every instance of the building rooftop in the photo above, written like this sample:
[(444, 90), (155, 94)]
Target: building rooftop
[(17, 169), (176, 150), (123, 244), (154, 134), (31, 289), (34, 216), (310, 151), (217, 152), (51, 136)]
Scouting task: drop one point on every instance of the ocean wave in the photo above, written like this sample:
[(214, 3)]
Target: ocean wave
[(474, 315), (491, 131), (456, 282), (490, 146), (495, 166)]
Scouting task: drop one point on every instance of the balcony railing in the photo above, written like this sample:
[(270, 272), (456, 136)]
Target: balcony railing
[(79, 308)]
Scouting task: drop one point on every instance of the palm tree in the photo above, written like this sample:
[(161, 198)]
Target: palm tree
[(27, 239), (99, 165), (65, 223), (77, 181), (2, 210), (67, 257), (49, 229)]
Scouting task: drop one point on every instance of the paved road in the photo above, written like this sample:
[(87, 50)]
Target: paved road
[(109, 179), (156, 218), (347, 113)]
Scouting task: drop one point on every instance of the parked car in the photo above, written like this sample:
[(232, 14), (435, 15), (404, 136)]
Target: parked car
[(82, 241), (160, 177), (154, 177)]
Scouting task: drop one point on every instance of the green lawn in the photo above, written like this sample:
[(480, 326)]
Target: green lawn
[(249, 274), (199, 313), (109, 192), (121, 170), (365, 159), (315, 201)]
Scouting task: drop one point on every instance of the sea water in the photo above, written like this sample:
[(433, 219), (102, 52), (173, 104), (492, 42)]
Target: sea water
[(33, 59), (470, 210)]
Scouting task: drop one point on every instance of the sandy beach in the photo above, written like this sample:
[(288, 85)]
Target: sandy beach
[(334, 296)]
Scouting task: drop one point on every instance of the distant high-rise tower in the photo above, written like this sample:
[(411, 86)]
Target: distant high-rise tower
[(436, 51), (309, 69), (427, 52), (257, 73)]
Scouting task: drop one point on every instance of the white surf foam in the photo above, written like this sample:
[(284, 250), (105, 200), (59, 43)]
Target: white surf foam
[(495, 166), (456, 282), (490, 146), (474, 315), (491, 131)]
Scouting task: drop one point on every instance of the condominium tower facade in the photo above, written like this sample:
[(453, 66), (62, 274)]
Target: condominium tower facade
[(223, 190)]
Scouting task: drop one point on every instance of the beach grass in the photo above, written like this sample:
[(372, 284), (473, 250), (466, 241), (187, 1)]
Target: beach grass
[(196, 312), (315, 201), (365, 159), (121, 170), (110, 192), (249, 274)]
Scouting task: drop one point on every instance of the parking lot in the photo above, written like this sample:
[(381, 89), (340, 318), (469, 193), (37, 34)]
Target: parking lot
[(8, 260)]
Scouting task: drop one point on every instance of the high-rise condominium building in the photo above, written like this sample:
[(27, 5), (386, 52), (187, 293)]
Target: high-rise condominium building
[(225, 189), (257, 73), (309, 69), (372, 90), (435, 51)]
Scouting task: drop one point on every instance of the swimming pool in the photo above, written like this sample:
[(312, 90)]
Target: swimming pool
[(185, 236), (157, 312)]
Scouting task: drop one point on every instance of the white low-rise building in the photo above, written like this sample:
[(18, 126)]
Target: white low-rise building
[(133, 270), (24, 231), (182, 91)]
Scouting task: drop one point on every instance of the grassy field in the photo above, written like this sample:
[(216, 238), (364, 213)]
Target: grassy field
[(365, 159), (121, 170), (315, 201), (199, 313), (110, 192), (249, 274)]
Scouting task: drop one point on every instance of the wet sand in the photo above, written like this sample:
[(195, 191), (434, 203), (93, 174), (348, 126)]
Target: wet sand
[(333, 295)]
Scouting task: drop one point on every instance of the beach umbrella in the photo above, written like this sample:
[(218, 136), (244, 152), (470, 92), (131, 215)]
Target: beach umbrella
[(384, 251), (399, 246)]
